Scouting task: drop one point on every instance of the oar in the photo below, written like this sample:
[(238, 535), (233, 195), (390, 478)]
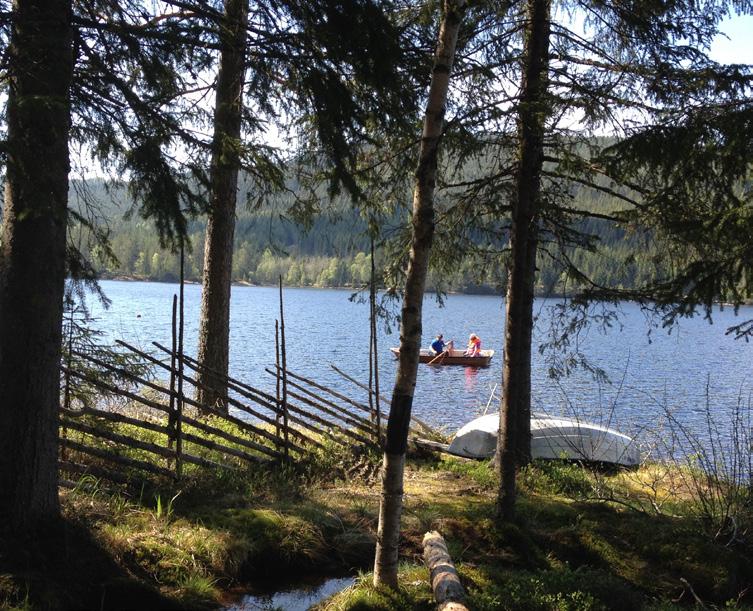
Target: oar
[(439, 357)]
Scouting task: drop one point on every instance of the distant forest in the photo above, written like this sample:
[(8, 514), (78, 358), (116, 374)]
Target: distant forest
[(333, 250)]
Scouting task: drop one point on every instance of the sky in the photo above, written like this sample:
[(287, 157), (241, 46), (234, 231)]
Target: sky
[(737, 48)]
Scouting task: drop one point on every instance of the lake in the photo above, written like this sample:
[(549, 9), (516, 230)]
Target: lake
[(649, 374)]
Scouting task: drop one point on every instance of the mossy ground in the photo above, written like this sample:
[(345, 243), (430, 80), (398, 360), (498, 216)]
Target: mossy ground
[(582, 540)]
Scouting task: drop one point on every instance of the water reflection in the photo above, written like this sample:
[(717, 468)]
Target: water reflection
[(471, 379), (298, 599)]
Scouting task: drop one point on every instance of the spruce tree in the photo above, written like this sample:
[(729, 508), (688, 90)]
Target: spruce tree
[(329, 69), (32, 259), (100, 76)]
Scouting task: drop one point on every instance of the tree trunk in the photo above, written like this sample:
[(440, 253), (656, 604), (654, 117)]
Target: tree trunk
[(443, 576), (32, 260), (214, 325), (514, 441), (391, 504)]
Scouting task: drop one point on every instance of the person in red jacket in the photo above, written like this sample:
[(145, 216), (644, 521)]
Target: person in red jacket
[(474, 346)]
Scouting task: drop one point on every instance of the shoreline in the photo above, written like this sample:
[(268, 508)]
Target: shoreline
[(482, 292)]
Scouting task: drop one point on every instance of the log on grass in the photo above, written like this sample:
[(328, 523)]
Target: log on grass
[(327, 424), (130, 442), (337, 395), (116, 417), (445, 582), (349, 432), (211, 430), (266, 400), (116, 391), (260, 398)]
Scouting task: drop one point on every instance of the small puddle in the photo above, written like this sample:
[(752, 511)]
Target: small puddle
[(299, 598)]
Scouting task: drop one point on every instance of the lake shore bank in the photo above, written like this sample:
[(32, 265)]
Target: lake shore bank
[(583, 539)]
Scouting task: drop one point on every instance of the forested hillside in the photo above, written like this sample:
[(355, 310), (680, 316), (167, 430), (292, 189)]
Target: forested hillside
[(333, 250)]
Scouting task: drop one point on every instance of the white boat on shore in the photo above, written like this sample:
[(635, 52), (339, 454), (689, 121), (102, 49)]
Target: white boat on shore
[(551, 437)]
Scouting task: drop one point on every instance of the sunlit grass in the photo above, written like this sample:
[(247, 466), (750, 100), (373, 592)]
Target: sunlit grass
[(414, 594)]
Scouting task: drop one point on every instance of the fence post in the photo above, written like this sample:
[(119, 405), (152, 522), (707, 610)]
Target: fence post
[(284, 376), (67, 393), (373, 319), (278, 415), (179, 406), (172, 414)]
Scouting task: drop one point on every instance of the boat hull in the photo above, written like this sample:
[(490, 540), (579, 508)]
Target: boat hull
[(455, 357), (551, 438)]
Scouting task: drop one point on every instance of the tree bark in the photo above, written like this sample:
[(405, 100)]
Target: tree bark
[(443, 576), (214, 325), (32, 260), (514, 441), (393, 464)]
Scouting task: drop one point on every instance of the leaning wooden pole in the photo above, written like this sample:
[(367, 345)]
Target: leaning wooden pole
[(372, 407), (283, 357), (445, 582), (69, 359), (67, 395), (420, 423)]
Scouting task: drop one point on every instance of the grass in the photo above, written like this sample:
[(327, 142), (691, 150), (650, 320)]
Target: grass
[(583, 539)]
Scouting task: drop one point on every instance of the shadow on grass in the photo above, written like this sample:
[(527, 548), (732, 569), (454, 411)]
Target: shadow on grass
[(65, 567)]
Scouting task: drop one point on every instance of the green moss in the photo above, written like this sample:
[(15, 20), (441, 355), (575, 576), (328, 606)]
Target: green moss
[(272, 540), (565, 589), (482, 473), (555, 477)]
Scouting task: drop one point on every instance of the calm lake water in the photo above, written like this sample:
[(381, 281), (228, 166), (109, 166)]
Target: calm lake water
[(649, 374)]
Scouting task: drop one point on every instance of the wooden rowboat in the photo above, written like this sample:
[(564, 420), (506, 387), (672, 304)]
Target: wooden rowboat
[(453, 357)]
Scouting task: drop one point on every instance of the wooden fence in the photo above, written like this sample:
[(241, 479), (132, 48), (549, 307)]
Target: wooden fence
[(162, 430), (154, 426)]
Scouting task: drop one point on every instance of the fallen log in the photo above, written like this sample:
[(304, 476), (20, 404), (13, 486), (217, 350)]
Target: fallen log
[(445, 582)]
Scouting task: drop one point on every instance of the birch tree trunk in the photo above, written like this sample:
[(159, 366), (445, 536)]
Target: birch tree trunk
[(514, 441), (393, 465), (32, 260), (214, 324)]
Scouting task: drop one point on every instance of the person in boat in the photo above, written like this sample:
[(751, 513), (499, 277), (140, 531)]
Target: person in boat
[(439, 345), (474, 346)]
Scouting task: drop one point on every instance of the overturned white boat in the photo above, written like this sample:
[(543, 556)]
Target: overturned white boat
[(551, 437)]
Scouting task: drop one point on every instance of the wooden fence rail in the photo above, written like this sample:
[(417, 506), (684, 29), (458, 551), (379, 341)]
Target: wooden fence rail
[(312, 412), (330, 407), (305, 417)]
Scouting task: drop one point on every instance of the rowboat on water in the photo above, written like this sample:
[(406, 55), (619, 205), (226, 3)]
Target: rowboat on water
[(452, 357), (551, 437)]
